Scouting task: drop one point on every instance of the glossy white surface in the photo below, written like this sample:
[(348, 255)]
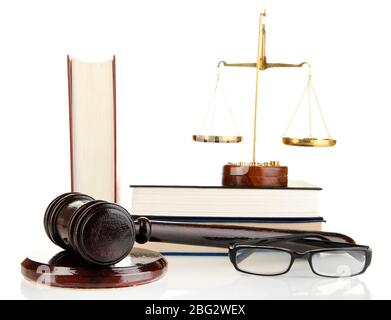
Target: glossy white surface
[(215, 278)]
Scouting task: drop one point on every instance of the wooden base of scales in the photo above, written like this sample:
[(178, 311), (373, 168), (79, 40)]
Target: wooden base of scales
[(268, 174)]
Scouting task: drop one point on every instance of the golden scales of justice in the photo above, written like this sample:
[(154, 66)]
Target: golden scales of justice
[(266, 174)]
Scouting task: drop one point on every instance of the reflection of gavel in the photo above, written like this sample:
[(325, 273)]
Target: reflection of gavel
[(103, 233)]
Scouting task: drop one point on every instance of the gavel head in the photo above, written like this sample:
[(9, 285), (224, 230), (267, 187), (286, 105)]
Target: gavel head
[(101, 232)]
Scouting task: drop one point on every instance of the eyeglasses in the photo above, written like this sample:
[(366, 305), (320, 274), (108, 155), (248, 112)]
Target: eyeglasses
[(275, 256)]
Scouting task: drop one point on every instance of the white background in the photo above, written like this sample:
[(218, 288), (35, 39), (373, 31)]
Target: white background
[(166, 57)]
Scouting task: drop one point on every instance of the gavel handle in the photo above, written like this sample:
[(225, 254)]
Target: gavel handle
[(212, 235)]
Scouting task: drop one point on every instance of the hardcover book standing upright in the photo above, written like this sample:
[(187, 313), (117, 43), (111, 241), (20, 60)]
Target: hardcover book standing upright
[(92, 123)]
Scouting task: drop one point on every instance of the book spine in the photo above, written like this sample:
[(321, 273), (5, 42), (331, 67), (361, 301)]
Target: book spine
[(69, 72), (115, 128)]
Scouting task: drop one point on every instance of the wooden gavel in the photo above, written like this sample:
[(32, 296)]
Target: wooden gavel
[(104, 233)]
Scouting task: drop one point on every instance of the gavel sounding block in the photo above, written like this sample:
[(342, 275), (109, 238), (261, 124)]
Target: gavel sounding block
[(68, 270)]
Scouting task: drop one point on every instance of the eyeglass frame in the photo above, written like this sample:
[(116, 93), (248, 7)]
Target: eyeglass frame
[(339, 246)]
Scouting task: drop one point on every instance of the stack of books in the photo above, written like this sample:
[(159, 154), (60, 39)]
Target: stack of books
[(294, 207)]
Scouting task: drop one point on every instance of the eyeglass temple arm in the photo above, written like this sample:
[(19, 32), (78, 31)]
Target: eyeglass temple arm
[(337, 245), (331, 245), (286, 238), (246, 252)]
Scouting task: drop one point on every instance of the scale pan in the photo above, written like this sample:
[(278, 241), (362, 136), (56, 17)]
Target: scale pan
[(216, 139), (309, 142)]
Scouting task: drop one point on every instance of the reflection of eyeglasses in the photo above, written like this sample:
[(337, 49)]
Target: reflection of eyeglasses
[(275, 256)]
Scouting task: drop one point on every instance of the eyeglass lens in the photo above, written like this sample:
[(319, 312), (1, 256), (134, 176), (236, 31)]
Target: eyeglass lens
[(263, 261), (338, 263)]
